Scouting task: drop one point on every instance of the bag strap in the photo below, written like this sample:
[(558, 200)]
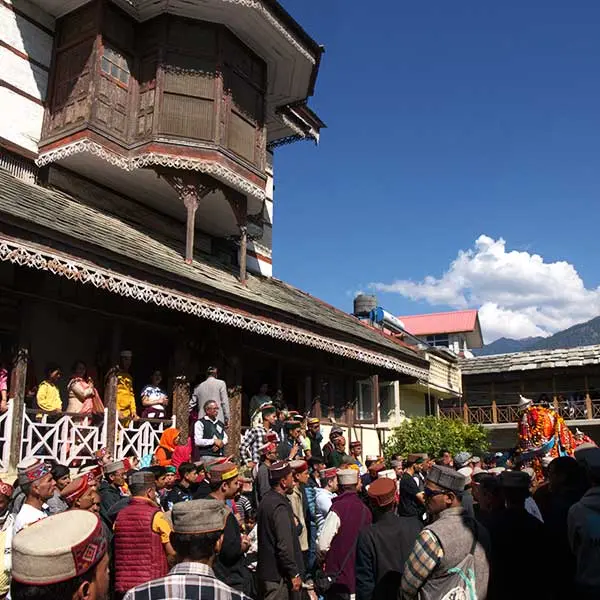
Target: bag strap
[(352, 548)]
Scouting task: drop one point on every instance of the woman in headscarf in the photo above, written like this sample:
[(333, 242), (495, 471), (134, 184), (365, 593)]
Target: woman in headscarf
[(83, 396), (166, 446)]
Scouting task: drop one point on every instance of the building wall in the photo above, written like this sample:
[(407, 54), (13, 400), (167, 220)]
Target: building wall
[(412, 402), (25, 56)]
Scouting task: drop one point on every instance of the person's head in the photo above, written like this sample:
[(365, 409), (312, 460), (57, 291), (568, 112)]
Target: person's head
[(142, 484), (79, 369), (300, 469), (269, 414), (115, 473), (211, 409), (398, 467), (382, 495), (348, 480), (52, 373), (268, 452), (6, 491), (329, 480), (61, 557), (171, 477), (355, 448), (134, 461), (316, 465), (293, 429), (414, 463), (61, 475), (224, 481), (156, 378), (188, 472), (126, 358), (35, 479), (198, 526), (90, 500), (160, 476), (264, 389), (489, 494), (281, 477), (515, 488), (446, 458), (339, 443), (462, 460), (564, 473), (212, 372), (443, 489), (314, 427)]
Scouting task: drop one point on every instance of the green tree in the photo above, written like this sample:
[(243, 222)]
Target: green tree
[(433, 434)]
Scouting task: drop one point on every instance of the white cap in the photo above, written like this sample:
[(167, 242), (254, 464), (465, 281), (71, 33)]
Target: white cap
[(466, 473)]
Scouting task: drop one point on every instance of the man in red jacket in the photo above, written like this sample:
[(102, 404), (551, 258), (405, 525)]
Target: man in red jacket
[(142, 547)]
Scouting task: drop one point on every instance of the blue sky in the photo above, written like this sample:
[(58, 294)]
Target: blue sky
[(449, 120)]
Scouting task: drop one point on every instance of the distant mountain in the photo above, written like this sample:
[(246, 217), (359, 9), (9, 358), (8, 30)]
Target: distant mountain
[(504, 345), (582, 334)]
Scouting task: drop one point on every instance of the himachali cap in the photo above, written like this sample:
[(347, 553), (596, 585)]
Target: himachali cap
[(387, 474), (267, 409), (197, 517), (515, 480), (58, 548), (347, 476), (382, 492), (462, 458), (447, 478), (329, 473), (355, 444), (113, 467), (31, 469), (292, 425), (267, 449), (416, 459), (299, 466), (171, 470), (371, 458), (466, 473), (74, 490), (376, 467), (335, 431), (142, 478), (279, 470), (314, 421), (223, 472)]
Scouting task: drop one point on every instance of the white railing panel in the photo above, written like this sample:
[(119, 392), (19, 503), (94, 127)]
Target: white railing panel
[(6, 423), (140, 437)]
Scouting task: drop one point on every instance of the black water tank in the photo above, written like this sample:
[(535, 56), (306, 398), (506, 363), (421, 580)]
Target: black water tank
[(364, 304)]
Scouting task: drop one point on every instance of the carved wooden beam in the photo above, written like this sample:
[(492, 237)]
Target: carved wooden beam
[(191, 187), (239, 206)]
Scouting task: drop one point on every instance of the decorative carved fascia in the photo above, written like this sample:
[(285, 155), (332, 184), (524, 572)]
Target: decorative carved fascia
[(216, 170), (25, 254)]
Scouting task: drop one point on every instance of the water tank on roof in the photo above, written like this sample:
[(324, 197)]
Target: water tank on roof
[(364, 304)]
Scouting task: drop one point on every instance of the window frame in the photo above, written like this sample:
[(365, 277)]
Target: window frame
[(107, 45)]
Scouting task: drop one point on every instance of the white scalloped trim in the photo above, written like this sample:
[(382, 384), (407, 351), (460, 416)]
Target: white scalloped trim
[(22, 254), (214, 169)]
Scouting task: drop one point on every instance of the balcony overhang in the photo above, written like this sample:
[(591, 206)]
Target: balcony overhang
[(292, 56), (293, 123)]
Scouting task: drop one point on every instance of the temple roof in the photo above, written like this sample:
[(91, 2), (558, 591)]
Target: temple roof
[(50, 230)]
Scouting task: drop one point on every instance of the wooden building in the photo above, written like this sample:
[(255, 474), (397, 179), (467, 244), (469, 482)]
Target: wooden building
[(136, 204)]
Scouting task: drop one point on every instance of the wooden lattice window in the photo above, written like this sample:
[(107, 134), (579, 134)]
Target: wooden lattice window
[(115, 64)]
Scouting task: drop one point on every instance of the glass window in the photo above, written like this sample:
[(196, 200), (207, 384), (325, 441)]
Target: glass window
[(365, 409), (387, 402), (438, 340), (115, 64)]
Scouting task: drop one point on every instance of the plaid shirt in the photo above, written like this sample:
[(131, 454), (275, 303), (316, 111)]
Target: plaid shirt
[(424, 558), (253, 439), (186, 581)]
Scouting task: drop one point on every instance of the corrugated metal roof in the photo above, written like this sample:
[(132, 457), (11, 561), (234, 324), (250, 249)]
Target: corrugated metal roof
[(528, 361), (458, 321)]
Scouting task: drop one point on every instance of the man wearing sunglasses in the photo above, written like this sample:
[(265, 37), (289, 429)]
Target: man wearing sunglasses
[(450, 554)]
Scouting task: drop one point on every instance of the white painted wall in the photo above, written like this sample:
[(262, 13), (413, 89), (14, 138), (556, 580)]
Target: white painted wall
[(21, 118)]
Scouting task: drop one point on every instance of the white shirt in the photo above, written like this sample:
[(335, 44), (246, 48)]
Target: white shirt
[(28, 515), (326, 535), (532, 508), (323, 499)]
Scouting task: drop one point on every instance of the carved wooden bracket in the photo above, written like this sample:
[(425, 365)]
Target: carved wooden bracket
[(191, 187)]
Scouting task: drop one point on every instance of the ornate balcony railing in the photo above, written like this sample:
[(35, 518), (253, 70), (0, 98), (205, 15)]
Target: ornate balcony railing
[(494, 413)]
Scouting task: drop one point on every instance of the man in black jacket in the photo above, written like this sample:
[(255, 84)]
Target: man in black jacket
[(382, 548), (182, 490), (280, 563), (229, 566)]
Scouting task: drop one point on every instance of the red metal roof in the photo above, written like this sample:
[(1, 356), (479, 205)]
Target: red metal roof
[(458, 321)]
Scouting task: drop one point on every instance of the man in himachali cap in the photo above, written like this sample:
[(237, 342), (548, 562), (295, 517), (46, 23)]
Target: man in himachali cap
[(35, 479), (62, 557)]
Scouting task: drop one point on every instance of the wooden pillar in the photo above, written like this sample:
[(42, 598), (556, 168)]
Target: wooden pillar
[(308, 397), (465, 412), (375, 396), (18, 385), (234, 391), (315, 394), (589, 409), (494, 412), (239, 206), (191, 187), (181, 407), (110, 403)]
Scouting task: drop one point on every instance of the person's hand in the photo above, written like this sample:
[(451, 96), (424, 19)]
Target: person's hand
[(245, 543), (296, 583), (218, 443), (226, 423), (136, 418), (294, 450)]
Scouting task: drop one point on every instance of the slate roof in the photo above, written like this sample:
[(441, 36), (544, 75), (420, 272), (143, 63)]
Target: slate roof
[(528, 361), (71, 223)]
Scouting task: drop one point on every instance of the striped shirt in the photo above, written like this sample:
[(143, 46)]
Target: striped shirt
[(424, 558), (186, 581)]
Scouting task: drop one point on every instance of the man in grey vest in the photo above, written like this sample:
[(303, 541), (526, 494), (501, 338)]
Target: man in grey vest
[(209, 433), (450, 554)]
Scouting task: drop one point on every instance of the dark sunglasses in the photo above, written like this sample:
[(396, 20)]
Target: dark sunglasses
[(429, 493)]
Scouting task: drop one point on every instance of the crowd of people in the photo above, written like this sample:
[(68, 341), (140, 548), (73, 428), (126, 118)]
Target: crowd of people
[(290, 515)]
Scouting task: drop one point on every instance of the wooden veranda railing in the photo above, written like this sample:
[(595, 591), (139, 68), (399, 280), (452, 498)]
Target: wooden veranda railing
[(494, 413)]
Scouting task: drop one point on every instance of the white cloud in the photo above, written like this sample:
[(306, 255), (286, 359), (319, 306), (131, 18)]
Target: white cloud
[(518, 293)]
